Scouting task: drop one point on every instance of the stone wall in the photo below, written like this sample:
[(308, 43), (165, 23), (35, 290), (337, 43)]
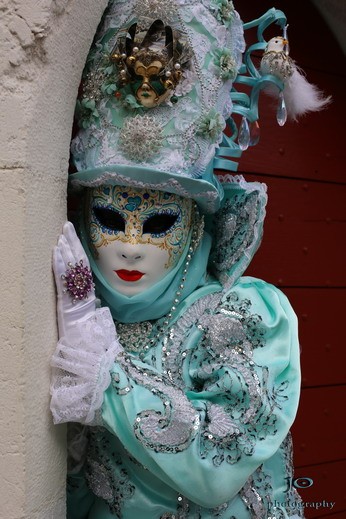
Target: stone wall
[(43, 47)]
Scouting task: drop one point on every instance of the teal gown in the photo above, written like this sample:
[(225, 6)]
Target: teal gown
[(190, 420)]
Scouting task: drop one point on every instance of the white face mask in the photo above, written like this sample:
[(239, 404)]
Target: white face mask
[(137, 235)]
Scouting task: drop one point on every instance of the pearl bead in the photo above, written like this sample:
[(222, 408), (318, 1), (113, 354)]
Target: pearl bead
[(177, 66)]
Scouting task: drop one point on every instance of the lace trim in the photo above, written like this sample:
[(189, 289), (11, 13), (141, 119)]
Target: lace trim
[(171, 185), (239, 229), (82, 370)]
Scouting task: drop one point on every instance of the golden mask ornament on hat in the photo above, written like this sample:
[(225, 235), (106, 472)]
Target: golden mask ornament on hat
[(150, 63)]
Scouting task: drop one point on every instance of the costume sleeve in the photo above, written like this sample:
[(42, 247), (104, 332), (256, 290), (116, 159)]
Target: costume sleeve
[(225, 404), (81, 369)]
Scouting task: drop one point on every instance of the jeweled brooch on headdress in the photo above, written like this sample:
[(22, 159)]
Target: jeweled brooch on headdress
[(144, 67), (149, 63)]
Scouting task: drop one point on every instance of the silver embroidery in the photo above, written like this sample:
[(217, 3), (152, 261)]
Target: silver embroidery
[(170, 430), (224, 334), (227, 368), (121, 383), (238, 233), (257, 495), (253, 500), (134, 336), (175, 342), (221, 424), (105, 473), (293, 501)]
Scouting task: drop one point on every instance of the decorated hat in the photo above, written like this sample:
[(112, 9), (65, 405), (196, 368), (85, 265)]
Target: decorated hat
[(159, 89)]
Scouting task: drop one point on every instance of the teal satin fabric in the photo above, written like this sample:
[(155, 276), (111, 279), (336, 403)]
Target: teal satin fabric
[(188, 472), (151, 478), (157, 476)]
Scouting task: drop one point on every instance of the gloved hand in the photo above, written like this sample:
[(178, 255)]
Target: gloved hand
[(68, 269)]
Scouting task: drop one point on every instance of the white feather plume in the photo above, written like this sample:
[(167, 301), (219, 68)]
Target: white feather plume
[(300, 96)]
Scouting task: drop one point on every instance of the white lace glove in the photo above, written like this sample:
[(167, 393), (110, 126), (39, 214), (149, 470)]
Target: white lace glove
[(88, 344), (66, 255)]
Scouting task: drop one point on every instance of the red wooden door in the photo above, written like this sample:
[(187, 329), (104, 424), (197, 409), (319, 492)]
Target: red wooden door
[(303, 249)]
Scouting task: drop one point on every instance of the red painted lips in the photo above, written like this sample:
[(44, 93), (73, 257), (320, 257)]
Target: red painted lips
[(129, 275)]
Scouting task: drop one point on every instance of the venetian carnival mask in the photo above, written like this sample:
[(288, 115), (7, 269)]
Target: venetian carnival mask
[(137, 235)]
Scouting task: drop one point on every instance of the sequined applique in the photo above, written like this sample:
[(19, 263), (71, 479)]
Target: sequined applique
[(227, 368), (257, 496), (222, 362), (134, 336), (252, 499), (170, 430), (238, 234), (105, 472), (186, 509), (174, 354), (240, 309), (234, 230), (220, 510), (293, 501), (183, 507), (121, 383)]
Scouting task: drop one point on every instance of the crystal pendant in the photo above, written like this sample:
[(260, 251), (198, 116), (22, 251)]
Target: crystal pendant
[(244, 134), (254, 133), (281, 113), (286, 48)]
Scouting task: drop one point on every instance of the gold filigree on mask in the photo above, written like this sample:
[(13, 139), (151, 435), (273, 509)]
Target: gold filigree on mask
[(135, 207)]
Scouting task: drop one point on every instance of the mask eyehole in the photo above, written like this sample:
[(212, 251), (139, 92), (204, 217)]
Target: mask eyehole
[(109, 219), (159, 224)]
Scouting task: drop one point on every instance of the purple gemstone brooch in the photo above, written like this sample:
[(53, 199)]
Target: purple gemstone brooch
[(78, 281)]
